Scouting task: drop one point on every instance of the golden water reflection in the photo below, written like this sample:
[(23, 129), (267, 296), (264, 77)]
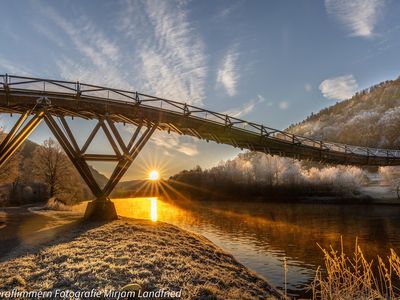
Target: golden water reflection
[(139, 208), (261, 235), (153, 210), (149, 208)]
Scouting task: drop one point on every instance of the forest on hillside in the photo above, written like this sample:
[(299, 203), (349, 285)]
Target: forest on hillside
[(370, 118)]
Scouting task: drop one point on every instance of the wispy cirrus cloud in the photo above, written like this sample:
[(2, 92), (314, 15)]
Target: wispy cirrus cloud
[(229, 9), (49, 34), (283, 105), (339, 88), (246, 108), (86, 38), (13, 68), (173, 142), (358, 16), (172, 57), (172, 61), (99, 58), (227, 75), (164, 55), (157, 51)]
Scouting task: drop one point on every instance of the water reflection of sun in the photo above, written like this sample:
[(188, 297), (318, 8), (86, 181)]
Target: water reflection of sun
[(153, 210)]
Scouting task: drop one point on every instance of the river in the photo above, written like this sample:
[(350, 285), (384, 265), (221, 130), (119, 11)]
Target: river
[(263, 235), (259, 235)]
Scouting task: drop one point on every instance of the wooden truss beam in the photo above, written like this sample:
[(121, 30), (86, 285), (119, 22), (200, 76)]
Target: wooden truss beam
[(18, 134), (79, 158)]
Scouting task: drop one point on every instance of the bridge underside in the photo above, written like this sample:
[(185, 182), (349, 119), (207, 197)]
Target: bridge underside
[(52, 101), (124, 153), (123, 112)]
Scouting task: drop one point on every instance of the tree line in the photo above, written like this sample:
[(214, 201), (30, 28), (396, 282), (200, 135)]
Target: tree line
[(267, 177), (36, 173)]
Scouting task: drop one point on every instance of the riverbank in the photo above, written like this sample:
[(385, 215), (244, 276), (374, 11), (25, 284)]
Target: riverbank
[(361, 199), (366, 195), (154, 255)]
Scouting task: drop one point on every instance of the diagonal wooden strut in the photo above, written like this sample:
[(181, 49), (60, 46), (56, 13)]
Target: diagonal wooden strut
[(65, 137), (126, 161), (75, 156), (18, 135), (91, 137)]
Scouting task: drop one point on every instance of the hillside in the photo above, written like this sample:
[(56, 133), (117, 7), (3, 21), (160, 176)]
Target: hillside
[(15, 179), (28, 148), (128, 188), (370, 118)]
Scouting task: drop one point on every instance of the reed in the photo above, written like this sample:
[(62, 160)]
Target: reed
[(285, 267), (353, 277)]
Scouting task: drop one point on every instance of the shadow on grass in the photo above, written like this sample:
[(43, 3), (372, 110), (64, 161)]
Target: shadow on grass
[(29, 233)]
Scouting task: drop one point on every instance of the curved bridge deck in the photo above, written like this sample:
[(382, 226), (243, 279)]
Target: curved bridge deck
[(62, 98)]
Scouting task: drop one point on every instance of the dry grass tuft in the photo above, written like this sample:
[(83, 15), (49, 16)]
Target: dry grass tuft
[(354, 277)]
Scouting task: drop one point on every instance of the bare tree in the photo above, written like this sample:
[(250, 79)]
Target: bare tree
[(50, 165)]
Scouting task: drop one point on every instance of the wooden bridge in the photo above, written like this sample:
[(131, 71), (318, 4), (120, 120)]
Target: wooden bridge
[(39, 99)]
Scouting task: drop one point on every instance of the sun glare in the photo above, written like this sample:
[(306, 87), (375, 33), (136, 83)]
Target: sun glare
[(154, 175)]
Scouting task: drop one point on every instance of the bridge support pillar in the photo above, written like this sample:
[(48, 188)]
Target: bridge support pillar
[(18, 134), (102, 208)]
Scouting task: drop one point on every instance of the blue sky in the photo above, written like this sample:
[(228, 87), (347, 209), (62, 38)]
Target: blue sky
[(272, 62)]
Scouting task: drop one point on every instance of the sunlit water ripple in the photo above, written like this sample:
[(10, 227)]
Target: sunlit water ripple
[(262, 235)]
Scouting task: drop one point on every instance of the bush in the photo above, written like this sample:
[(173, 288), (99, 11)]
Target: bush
[(55, 203)]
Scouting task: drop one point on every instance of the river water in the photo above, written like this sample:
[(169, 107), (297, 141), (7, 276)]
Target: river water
[(263, 235)]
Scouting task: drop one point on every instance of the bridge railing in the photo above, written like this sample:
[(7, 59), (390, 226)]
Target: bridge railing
[(77, 90)]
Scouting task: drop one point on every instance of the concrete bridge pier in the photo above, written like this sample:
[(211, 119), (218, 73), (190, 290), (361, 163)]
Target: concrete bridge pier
[(101, 210)]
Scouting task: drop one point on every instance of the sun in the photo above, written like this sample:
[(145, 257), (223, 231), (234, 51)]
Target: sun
[(154, 175)]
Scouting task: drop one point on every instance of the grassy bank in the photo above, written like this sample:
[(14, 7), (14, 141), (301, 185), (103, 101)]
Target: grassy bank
[(154, 255)]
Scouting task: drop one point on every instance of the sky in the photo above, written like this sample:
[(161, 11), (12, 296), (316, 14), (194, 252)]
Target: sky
[(270, 62)]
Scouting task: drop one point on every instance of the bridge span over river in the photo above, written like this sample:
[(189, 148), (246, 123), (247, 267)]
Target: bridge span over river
[(37, 100)]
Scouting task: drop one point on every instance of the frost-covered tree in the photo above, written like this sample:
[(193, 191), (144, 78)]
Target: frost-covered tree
[(370, 118), (50, 165), (254, 168), (391, 176)]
